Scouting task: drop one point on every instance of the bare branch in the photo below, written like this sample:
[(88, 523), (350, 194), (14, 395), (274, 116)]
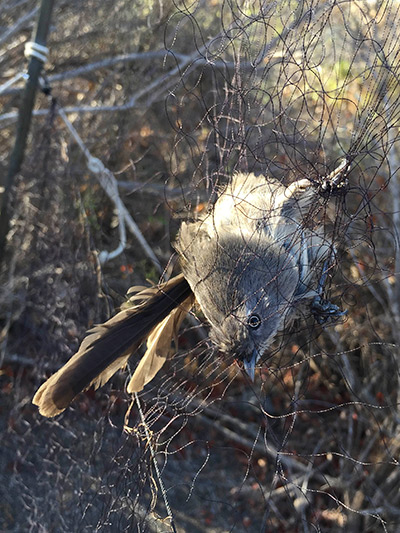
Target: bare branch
[(21, 22), (107, 180)]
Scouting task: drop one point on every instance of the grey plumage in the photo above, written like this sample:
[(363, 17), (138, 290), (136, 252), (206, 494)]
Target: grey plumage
[(250, 263), (253, 256)]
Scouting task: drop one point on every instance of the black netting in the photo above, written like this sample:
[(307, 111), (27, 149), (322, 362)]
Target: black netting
[(174, 98)]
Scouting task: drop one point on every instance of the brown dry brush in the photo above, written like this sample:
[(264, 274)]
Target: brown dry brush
[(313, 444)]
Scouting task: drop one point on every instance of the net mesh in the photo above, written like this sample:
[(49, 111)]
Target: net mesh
[(188, 94)]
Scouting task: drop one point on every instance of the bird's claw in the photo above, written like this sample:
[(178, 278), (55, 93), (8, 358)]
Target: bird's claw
[(333, 188), (336, 182), (323, 310)]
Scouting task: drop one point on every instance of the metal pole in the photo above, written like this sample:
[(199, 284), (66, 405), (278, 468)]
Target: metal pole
[(24, 119)]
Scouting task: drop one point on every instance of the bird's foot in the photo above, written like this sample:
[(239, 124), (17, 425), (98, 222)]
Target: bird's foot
[(323, 310), (336, 182)]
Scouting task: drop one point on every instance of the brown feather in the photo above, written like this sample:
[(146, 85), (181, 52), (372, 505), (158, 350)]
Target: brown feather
[(159, 346), (109, 346)]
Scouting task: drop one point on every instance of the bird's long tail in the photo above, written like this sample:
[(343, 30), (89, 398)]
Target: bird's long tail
[(108, 346)]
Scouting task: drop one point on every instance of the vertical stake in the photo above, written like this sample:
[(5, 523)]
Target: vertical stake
[(24, 119)]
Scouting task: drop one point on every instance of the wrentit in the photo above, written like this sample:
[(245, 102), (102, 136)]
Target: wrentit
[(252, 264)]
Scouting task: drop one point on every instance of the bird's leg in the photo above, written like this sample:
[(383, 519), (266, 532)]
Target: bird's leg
[(322, 309)]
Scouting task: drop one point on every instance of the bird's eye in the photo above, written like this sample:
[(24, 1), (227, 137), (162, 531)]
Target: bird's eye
[(254, 321)]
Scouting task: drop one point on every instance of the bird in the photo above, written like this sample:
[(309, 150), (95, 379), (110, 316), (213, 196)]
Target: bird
[(252, 263)]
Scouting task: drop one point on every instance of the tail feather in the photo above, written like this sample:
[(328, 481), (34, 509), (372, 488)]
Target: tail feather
[(108, 346), (159, 346)]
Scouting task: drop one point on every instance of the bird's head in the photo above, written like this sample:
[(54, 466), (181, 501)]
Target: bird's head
[(245, 290)]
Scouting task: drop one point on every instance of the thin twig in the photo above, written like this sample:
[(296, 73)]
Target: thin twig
[(107, 180), (21, 22)]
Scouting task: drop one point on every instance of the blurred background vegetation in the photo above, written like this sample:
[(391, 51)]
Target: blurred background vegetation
[(173, 97)]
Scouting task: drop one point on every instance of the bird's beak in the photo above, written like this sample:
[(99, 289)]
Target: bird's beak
[(250, 364)]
